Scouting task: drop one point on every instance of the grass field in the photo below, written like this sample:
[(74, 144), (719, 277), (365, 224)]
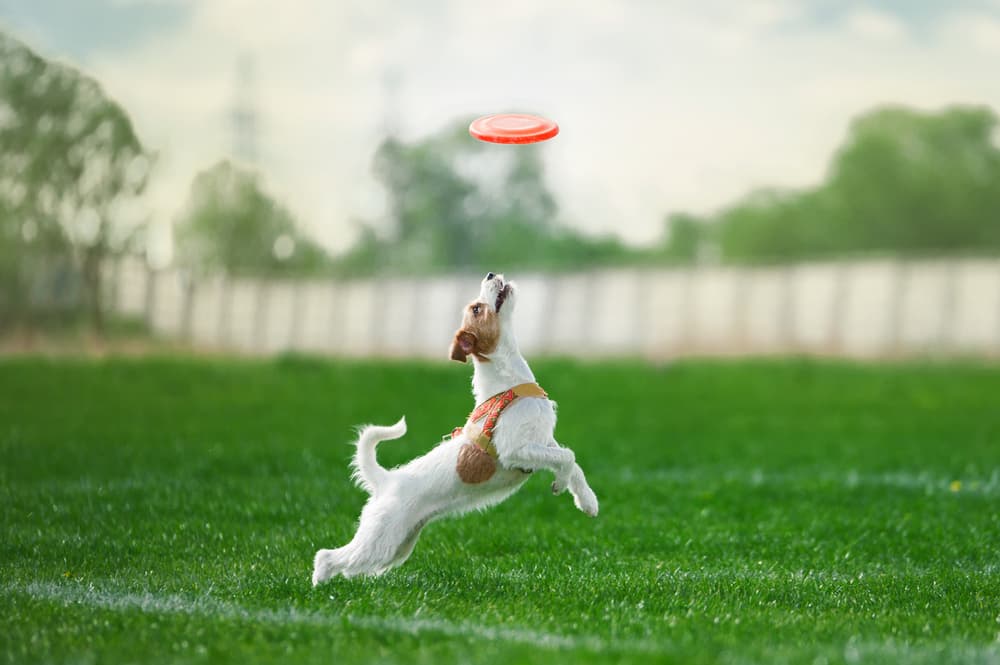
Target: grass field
[(168, 510)]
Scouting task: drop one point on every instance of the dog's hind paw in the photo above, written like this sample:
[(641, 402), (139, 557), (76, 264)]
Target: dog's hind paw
[(323, 567)]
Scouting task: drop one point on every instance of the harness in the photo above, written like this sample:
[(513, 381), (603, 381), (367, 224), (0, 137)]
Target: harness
[(477, 459)]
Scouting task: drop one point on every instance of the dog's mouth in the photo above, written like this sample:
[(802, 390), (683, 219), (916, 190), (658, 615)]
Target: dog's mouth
[(502, 297)]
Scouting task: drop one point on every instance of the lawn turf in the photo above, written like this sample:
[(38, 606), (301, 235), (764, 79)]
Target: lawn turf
[(168, 509)]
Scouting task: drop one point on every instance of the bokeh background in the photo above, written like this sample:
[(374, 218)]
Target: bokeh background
[(761, 177)]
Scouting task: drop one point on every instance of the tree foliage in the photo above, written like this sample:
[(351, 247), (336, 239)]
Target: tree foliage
[(904, 182), (231, 224), (71, 170), (455, 203)]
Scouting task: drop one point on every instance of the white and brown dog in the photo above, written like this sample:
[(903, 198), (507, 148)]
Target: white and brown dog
[(507, 436)]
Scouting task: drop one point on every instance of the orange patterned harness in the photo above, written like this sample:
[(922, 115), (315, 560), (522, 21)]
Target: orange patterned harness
[(491, 409)]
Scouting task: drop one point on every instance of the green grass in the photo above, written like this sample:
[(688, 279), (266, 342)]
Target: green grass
[(168, 510)]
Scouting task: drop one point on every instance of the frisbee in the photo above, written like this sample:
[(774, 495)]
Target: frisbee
[(513, 128)]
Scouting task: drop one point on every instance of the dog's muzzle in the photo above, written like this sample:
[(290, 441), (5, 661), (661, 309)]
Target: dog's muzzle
[(502, 297)]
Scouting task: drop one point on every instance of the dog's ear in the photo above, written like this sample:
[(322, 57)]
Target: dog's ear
[(463, 344)]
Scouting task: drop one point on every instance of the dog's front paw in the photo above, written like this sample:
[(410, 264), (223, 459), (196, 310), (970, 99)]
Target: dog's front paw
[(586, 501), (559, 485)]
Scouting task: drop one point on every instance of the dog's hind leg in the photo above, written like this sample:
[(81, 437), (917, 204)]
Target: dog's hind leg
[(367, 554), (385, 538), (370, 550), (406, 547)]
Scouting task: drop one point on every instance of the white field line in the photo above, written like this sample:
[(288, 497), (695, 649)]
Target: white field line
[(798, 577), (926, 481), (208, 607)]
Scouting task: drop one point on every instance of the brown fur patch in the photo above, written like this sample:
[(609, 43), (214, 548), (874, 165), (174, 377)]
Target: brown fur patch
[(475, 465), (479, 334)]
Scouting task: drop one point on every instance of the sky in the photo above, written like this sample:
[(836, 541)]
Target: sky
[(664, 105)]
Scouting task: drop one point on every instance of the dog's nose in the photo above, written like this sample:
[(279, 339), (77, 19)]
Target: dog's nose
[(489, 276)]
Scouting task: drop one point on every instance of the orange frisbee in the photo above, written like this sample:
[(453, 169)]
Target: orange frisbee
[(513, 128)]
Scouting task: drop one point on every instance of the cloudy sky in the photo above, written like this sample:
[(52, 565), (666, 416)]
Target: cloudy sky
[(664, 105)]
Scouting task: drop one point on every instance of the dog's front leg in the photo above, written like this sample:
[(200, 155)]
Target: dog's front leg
[(562, 462), (563, 480), (583, 497), (558, 460)]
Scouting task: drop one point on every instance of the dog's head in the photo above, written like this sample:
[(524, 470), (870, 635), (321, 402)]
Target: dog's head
[(485, 319)]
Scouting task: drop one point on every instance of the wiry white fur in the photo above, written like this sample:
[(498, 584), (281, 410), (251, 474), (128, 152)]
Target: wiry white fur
[(366, 472), (403, 500)]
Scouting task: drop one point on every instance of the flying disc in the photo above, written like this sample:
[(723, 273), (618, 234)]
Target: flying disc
[(513, 128)]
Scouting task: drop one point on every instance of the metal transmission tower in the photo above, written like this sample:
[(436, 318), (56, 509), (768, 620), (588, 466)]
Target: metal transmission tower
[(243, 115), (391, 81)]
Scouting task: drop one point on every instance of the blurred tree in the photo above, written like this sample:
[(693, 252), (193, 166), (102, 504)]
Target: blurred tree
[(904, 182), (231, 224), (72, 168), (768, 224), (685, 238), (913, 182), (458, 203), (426, 204)]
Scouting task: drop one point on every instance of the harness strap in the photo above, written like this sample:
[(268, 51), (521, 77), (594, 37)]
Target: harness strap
[(492, 408)]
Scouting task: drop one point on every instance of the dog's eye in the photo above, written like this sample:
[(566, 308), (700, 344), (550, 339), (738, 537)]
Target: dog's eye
[(475, 310)]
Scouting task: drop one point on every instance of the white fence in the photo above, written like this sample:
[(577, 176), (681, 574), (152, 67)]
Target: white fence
[(870, 308)]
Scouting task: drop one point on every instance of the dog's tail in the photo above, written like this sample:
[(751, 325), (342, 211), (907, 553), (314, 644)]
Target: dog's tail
[(367, 472)]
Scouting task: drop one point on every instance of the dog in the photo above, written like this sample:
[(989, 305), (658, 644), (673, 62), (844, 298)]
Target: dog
[(482, 464)]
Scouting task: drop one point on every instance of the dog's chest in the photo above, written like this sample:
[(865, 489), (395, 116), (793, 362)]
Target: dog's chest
[(496, 426)]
